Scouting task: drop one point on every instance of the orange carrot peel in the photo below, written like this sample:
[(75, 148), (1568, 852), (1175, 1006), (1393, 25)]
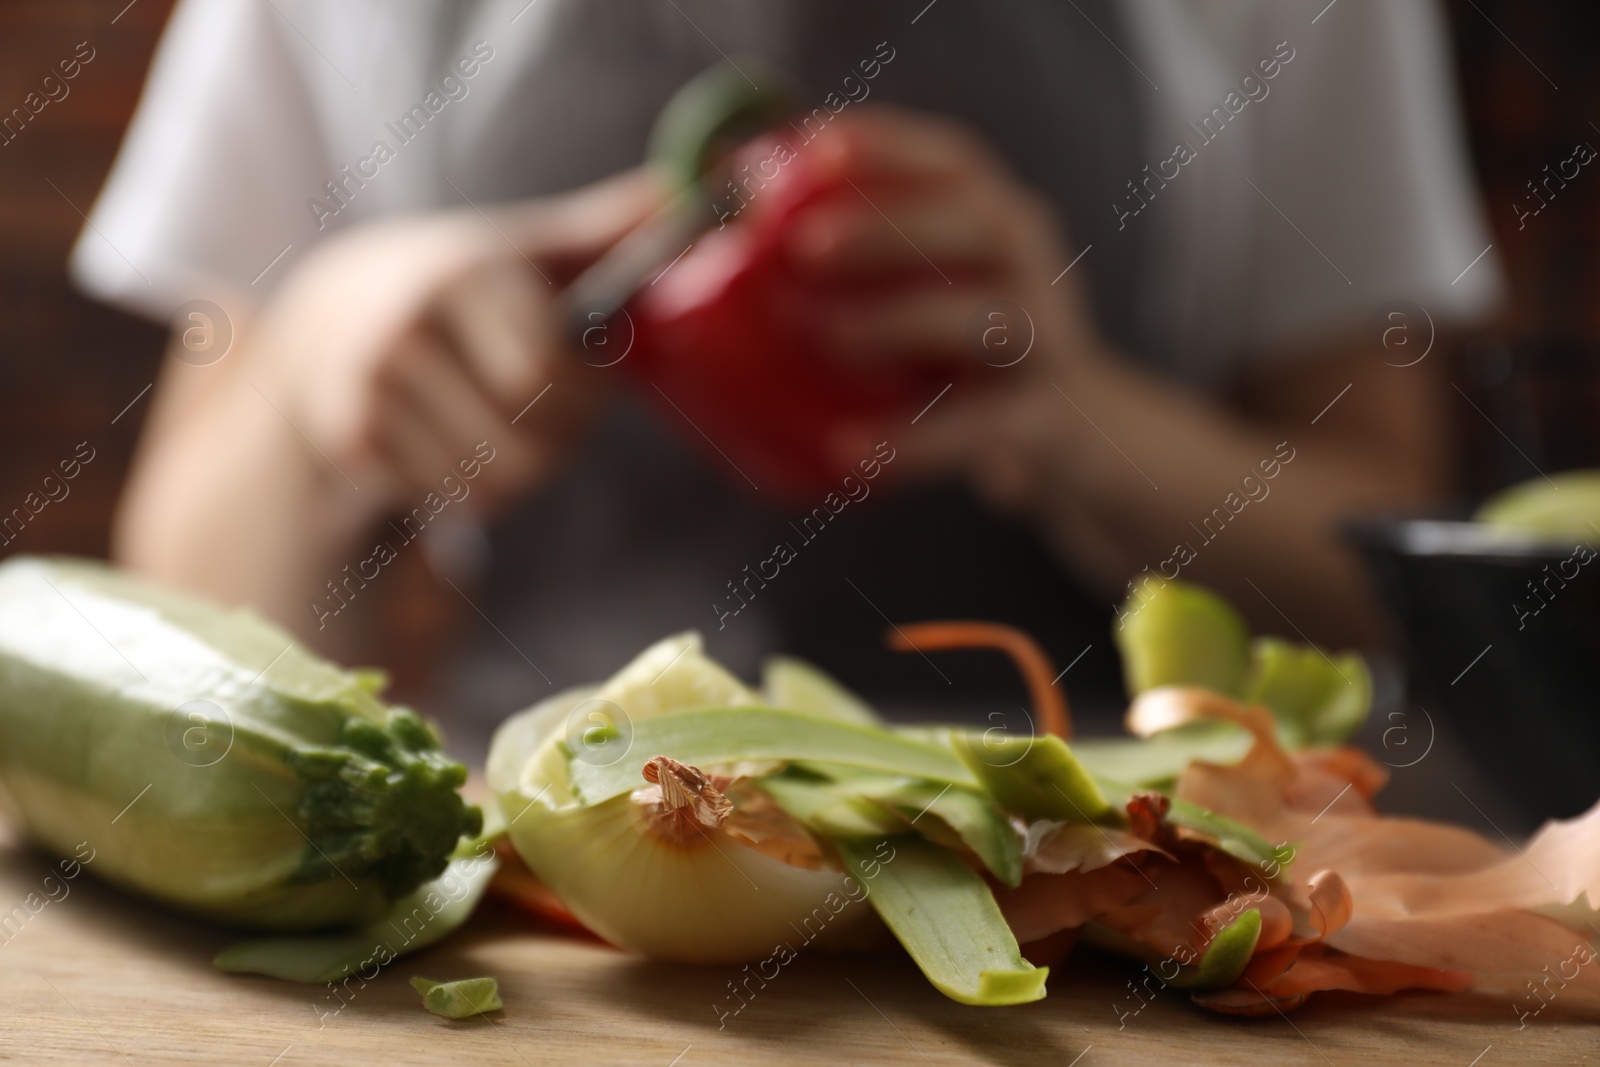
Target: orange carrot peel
[(1031, 661)]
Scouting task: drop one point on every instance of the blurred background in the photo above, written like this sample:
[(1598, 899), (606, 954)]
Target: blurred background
[(68, 365), (73, 369), (1526, 393)]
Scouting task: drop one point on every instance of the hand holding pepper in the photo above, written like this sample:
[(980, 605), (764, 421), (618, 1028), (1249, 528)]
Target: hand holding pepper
[(838, 297), (380, 364), (939, 257), (927, 204)]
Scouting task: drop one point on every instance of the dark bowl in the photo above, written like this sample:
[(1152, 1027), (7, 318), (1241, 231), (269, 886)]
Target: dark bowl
[(1503, 632)]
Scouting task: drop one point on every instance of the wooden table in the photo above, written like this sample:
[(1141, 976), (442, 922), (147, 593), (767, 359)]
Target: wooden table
[(100, 978)]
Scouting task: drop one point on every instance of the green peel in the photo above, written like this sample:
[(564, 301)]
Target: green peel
[(727, 735), (1234, 838), (459, 999), (1317, 699), (1182, 634), (433, 910), (851, 804), (831, 809), (1156, 762), (1033, 777), (1226, 957), (942, 912), (795, 685), (948, 816)]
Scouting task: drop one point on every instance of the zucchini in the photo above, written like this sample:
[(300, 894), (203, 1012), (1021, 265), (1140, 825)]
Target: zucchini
[(210, 761)]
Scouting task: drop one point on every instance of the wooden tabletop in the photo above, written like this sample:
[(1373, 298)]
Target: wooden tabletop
[(97, 977)]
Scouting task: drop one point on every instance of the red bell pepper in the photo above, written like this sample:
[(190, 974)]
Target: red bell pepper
[(730, 336)]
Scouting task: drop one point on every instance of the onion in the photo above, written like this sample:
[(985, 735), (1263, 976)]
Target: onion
[(687, 867)]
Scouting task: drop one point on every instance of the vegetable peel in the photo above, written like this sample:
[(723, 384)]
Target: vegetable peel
[(710, 736), (425, 916), (460, 999), (946, 918), (1243, 857)]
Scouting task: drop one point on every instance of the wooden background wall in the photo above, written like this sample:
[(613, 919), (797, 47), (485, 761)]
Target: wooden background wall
[(67, 366)]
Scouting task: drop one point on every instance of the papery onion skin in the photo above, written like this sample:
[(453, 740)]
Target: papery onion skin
[(717, 901)]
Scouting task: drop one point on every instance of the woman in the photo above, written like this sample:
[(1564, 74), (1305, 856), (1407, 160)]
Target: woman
[(1199, 208)]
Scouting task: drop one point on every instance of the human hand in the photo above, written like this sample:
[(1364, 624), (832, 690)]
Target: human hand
[(974, 262), (398, 347)]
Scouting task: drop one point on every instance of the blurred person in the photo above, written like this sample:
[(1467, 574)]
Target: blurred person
[(1200, 206)]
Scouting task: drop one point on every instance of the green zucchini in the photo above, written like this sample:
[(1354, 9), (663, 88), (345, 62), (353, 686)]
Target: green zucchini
[(208, 760)]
